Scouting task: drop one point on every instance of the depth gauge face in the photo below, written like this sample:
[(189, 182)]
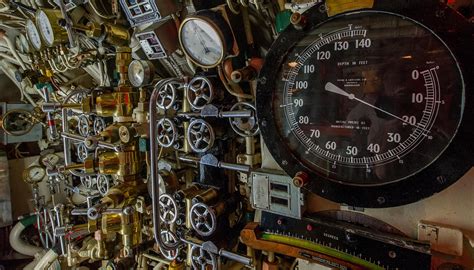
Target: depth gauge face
[(368, 98)]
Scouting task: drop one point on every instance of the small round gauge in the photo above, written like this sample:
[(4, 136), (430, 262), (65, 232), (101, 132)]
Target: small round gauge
[(33, 34), (47, 21), (34, 174), (22, 44), (140, 72), (50, 160), (205, 38), (45, 27)]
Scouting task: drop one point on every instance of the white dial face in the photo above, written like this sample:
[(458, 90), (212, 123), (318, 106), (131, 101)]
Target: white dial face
[(36, 174), (50, 160), (136, 73), (45, 27), (202, 42), (33, 34)]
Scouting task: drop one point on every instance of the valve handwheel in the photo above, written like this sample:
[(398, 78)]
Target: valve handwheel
[(200, 136), (168, 209), (203, 219), (202, 259), (167, 132), (200, 92), (167, 96)]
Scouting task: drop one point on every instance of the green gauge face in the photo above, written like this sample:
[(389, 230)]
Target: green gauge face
[(368, 98)]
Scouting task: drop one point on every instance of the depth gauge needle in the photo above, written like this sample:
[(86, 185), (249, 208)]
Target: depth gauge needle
[(330, 87)]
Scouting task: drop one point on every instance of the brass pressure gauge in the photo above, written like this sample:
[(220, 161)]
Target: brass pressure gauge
[(141, 72), (51, 32), (33, 35), (206, 38), (34, 174)]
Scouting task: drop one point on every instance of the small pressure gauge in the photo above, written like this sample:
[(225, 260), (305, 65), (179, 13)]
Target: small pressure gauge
[(22, 44), (33, 35), (49, 160), (51, 32), (141, 72), (34, 174), (206, 38)]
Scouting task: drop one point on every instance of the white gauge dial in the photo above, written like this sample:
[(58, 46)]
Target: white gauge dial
[(33, 34), (50, 160), (140, 72), (45, 27), (202, 42), (136, 73), (34, 174)]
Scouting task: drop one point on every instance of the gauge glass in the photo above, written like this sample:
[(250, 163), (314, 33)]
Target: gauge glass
[(136, 73), (50, 160), (22, 43), (45, 27), (35, 174), (33, 34), (202, 42), (368, 98)]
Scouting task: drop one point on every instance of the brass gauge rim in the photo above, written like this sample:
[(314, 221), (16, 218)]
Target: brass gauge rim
[(26, 174), (13, 133), (59, 33), (216, 28)]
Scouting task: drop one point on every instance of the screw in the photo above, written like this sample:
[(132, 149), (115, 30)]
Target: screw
[(263, 80), (381, 200), (280, 221), (298, 21), (392, 254)]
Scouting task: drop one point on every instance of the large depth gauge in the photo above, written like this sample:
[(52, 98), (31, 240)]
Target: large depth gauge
[(371, 105)]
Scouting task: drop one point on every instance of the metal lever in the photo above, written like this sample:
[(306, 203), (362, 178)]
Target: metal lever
[(211, 160), (212, 111), (212, 248)]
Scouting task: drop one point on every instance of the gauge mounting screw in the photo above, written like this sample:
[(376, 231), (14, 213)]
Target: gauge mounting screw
[(298, 21)]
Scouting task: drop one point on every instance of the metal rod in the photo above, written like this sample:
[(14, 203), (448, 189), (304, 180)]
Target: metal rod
[(155, 185)]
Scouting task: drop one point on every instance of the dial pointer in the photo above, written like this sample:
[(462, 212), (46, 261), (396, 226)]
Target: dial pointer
[(336, 90)]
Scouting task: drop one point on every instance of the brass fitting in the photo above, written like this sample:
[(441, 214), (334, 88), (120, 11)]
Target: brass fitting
[(119, 163)]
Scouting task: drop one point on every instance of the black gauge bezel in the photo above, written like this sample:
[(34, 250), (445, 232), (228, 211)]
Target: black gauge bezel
[(451, 165)]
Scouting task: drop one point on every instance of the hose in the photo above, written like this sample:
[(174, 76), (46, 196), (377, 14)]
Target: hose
[(15, 237), (47, 260)]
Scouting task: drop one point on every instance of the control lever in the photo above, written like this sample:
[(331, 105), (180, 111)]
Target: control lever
[(210, 247), (211, 160), (210, 110)]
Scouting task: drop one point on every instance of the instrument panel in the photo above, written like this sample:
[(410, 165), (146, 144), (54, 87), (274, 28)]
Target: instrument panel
[(239, 134)]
